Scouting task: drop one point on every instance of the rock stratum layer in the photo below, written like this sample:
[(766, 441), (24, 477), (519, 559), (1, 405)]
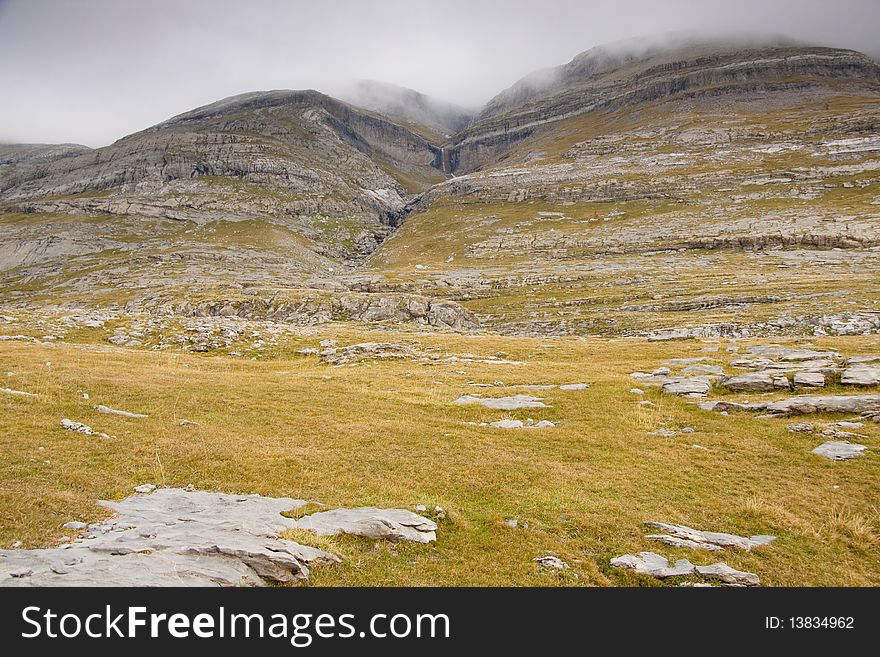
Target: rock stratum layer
[(616, 194)]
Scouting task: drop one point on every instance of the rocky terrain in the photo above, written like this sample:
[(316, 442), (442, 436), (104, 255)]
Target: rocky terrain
[(639, 285)]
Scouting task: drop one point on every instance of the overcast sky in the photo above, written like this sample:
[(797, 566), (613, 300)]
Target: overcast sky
[(92, 71)]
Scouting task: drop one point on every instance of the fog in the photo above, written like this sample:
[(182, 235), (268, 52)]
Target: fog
[(92, 71)]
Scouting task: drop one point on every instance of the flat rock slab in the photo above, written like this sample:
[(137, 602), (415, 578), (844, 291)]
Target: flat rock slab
[(653, 564), (861, 375), (840, 450), (687, 387), (784, 353), (806, 404), (176, 537), (755, 382), (370, 522), (503, 403), (702, 368), (683, 536), (810, 379), (728, 576)]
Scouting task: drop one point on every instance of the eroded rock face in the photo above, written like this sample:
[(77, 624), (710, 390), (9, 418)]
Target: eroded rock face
[(177, 537)]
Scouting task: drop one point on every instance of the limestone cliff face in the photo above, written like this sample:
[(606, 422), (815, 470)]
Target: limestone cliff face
[(300, 158), (604, 80)]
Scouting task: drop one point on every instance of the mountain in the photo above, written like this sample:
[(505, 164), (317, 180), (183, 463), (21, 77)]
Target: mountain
[(408, 107), (641, 186)]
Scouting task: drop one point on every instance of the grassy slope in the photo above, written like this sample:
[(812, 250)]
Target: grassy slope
[(373, 434)]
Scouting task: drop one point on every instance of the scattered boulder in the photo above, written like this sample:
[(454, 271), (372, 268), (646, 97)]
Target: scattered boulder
[(840, 450), (145, 489), (682, 536), (370, 522)]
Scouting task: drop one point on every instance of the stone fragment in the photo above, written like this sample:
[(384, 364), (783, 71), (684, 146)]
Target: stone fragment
[(805, 404), (702, 368), (503, 403), (840, 450), (74, 525), (861, 374), (750, 382), (112, 411), (370, 522), (683, 536), (809, 379), (653, 564), (144, 489), (687, 387), (18, 393), (728, 576)]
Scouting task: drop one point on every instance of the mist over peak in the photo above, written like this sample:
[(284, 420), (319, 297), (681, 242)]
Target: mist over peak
[(405, 104)]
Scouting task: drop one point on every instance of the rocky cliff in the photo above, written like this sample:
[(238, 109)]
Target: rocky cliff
[(613, 194)]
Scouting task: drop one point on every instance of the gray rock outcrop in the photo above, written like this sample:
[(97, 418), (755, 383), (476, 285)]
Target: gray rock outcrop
[(177, 537)]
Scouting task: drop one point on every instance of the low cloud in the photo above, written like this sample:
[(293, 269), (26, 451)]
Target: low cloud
[(92, 71)]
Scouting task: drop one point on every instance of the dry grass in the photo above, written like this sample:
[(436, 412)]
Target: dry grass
[(376, 435)]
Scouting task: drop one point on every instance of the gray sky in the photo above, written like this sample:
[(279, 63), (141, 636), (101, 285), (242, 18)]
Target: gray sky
[(92, 71)]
